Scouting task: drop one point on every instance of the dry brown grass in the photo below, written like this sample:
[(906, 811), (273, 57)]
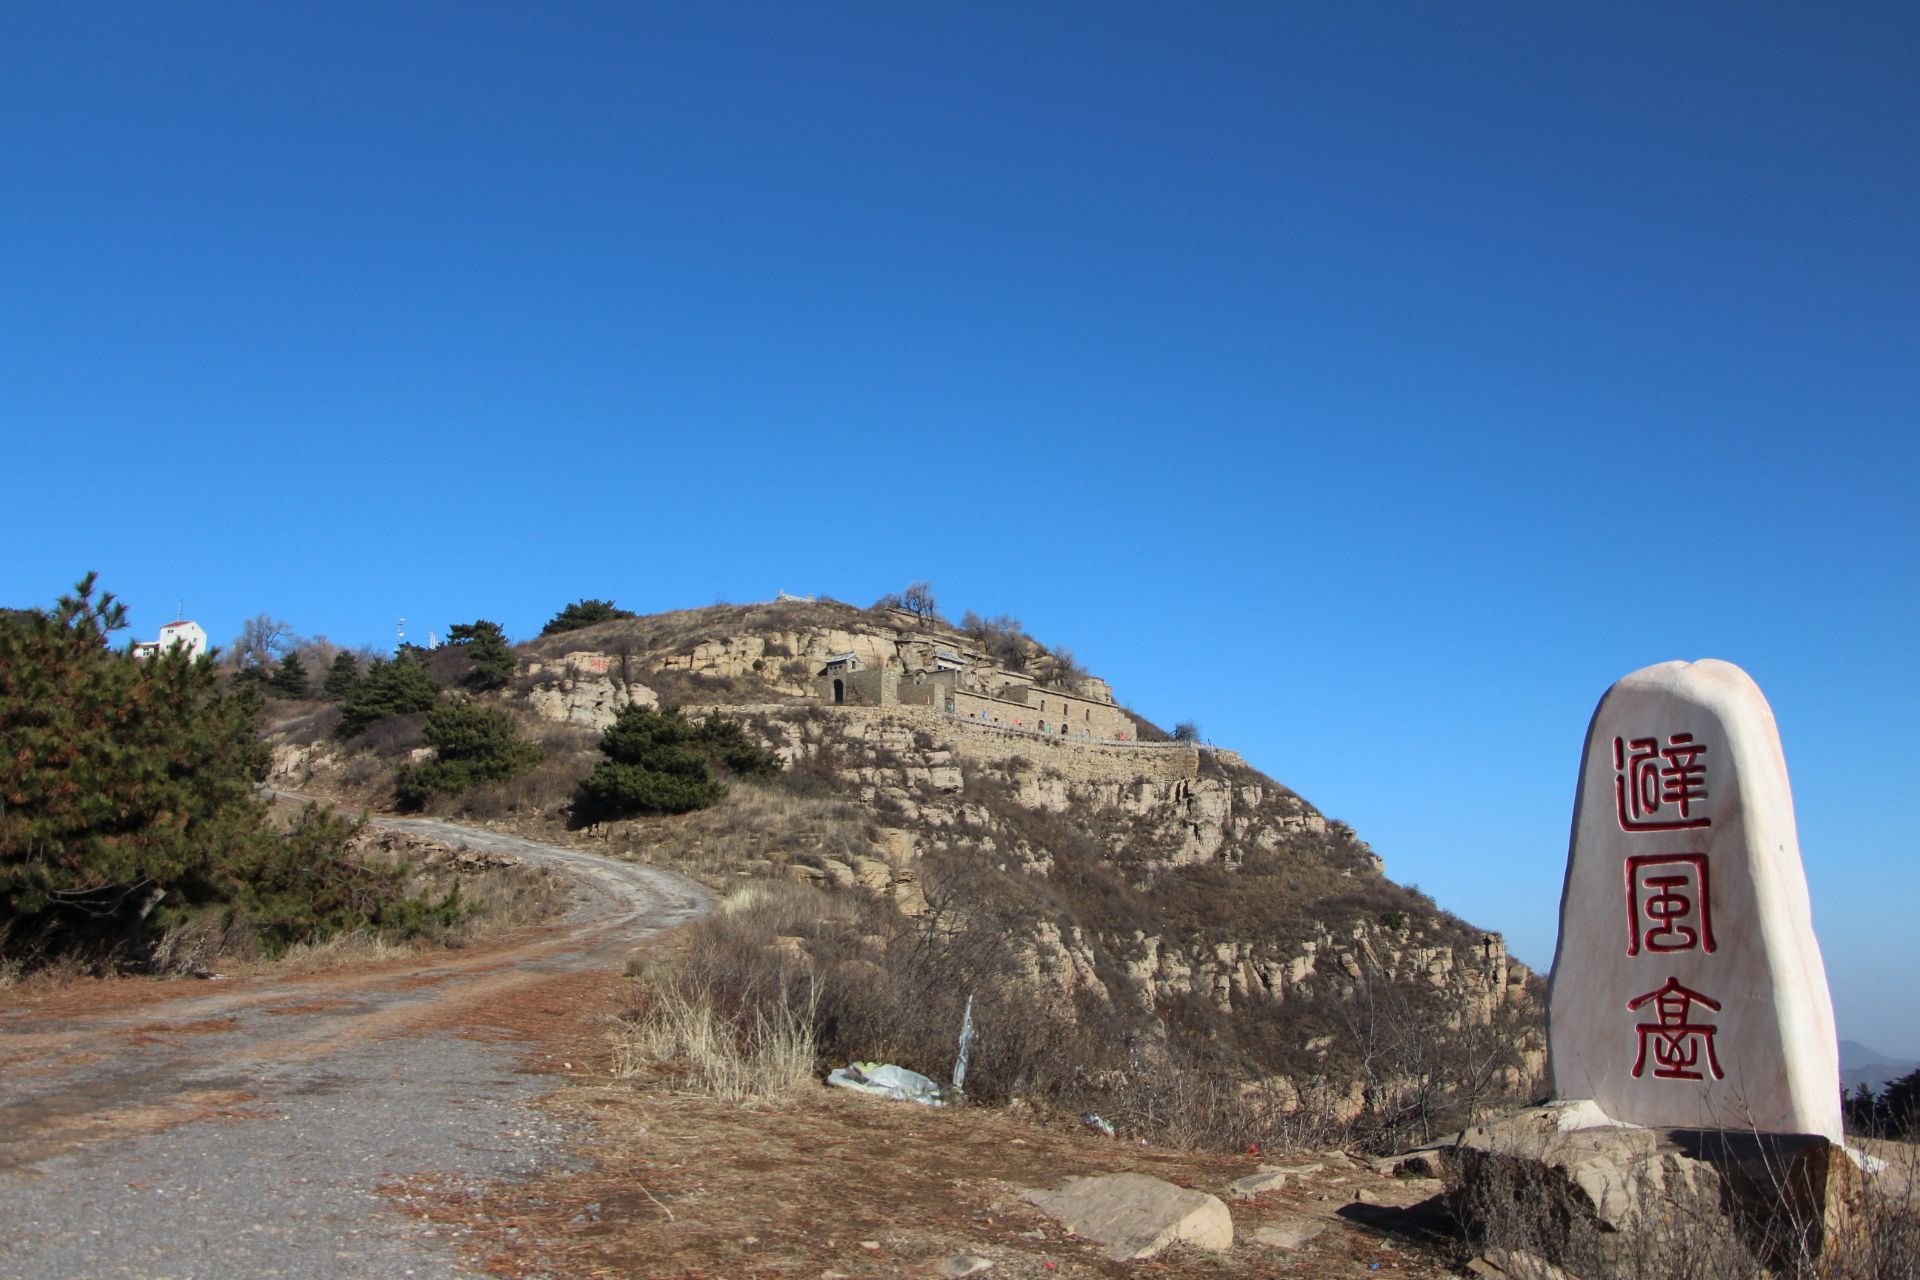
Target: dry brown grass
[(340, 951), (757, 831), (676, 1035), (503, 898)]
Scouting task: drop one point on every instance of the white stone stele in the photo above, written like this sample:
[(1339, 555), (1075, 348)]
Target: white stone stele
[(1774, 1031)]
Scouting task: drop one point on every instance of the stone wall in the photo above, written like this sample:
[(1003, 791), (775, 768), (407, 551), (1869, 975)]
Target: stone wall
[(1076, 759), (1048, 708), (934, 689)]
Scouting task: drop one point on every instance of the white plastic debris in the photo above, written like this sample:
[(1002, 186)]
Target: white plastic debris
[(1093, 1121), (966, 1049), (889, 1081)]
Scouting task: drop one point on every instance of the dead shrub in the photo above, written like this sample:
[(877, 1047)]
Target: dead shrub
[(308, 724), (500, 895), (496, 895), (1885, 1239), (210, 940), (363, 772), (394, 736), (547, 788), (759, 828)]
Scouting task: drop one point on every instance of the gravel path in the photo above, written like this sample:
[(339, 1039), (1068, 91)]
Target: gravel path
[(248, 1128)]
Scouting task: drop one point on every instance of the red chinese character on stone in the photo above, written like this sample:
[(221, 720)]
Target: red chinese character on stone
[(1676, 1039), (1655, 787), (1668, 906)]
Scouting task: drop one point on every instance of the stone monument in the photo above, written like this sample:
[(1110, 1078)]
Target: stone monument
[(1687, 989)]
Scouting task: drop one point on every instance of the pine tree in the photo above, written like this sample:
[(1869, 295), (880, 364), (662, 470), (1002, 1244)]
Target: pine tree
[(486, 646), (342, 677), (289, 679), (583, 613), (129, 805), (659, 762), (1900, 1105), (472, 744), (651, 767), (388, 689), (127, 788)]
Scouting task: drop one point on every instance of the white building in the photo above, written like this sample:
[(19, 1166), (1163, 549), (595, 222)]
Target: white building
[(175, 635)]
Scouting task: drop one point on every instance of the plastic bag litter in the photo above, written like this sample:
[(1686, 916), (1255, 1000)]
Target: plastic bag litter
[(1094, 1121), (889, 1081), (966, 1049)]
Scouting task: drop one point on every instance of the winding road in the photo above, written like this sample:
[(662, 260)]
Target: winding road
[(277, 1126)]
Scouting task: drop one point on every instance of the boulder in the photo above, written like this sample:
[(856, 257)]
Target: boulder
[(1136, 1216), (1598, 1197), (1298, 1171), (1260, 1183), (873, 874), (593, 700)]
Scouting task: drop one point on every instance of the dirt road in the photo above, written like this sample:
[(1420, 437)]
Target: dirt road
[(277, 1126)]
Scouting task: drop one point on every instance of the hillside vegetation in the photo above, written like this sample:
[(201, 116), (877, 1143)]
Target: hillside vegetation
[(130, 822), (1149, 929)]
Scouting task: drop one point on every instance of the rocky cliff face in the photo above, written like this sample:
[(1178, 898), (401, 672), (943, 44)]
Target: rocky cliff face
[(1217, 883)]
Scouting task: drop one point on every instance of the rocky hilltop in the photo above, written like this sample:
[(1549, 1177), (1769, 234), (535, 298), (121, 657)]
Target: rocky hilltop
[(1166, 905)]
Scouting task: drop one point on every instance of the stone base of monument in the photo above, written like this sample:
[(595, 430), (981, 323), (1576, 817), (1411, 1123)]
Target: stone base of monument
[(1565, 1185)]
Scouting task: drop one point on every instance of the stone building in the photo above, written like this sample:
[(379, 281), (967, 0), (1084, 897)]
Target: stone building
[(966, 685)]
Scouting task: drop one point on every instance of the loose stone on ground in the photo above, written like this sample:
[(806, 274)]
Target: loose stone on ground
[(1287, 1235), (1136, 1216)]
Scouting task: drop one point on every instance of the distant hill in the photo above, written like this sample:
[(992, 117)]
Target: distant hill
[(1860, 1065)]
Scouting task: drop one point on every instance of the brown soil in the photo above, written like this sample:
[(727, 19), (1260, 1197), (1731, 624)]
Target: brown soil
[(677, 1185), (681, 1185)]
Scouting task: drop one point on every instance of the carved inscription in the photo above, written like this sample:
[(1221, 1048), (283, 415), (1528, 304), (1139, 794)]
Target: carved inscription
[(1668, 904), (1655, 787), (1658, 786), (1677, 1037)]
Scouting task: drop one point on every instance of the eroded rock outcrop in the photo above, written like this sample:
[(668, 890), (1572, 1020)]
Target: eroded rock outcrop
[(586, 688), (1246, 899)]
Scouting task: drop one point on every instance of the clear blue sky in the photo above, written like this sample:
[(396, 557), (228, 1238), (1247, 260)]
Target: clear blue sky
[(1372, 384)]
